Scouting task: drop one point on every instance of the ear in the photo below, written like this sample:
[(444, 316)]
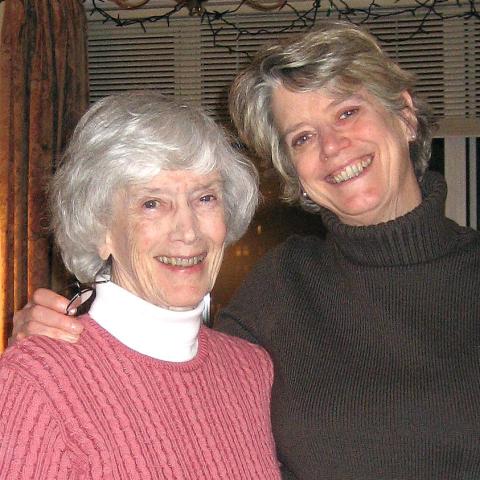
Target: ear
[(104, 248), (408, 117)]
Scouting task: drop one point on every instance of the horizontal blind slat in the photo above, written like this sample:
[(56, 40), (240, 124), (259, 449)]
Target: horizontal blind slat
[(184, 60)]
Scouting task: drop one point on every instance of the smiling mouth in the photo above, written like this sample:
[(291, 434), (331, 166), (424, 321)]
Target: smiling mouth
[(182, 261), (351, 171)]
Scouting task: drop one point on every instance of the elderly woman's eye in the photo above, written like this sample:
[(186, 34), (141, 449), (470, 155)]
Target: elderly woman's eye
[(208, 198), (150, 204)]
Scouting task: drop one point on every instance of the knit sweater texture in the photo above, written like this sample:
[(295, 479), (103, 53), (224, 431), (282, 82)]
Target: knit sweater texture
[(375, 337), (99, 410)]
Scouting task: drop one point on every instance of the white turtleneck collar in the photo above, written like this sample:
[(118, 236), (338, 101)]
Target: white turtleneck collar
[(163, 334)]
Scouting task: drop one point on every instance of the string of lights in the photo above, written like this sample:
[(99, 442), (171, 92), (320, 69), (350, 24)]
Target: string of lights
[(305, 18)]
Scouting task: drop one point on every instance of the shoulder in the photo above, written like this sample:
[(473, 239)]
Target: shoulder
[(465, 260), (229, 342), (267, 293), (236, 348), (30, 369), (32, 354), (45, 361), (296, 246), (467, 238), (280, 270), (297, 252), (33, 361), (270, 287)]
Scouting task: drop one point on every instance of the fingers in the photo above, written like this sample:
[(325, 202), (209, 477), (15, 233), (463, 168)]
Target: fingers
[(46, 316), (50, 299), (62, 333), (38, 320)]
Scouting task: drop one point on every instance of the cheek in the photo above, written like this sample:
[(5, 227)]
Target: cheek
[(131, 245), (306, 166), (219, 233), (219, 241), (213, 228), (311, 176), (376, 128), (397, 143), (214, 265), (386, 128), (144, 237)]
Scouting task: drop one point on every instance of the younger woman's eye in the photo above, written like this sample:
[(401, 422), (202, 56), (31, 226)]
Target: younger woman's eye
[(300, 140), (348, 113)]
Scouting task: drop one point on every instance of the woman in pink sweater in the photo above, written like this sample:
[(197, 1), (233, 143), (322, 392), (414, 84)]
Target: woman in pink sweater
[(147, 196)]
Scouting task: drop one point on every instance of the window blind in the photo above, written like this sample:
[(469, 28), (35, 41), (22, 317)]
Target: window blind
[(181, 58)]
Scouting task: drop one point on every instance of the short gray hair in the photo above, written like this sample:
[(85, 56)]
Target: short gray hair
[(338, 56), (129, 139)]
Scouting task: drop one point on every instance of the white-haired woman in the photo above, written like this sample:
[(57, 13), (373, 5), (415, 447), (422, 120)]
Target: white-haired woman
[(148, 195), (374, 330)]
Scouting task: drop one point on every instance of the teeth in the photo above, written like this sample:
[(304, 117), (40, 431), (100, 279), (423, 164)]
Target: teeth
[(180, 261), (351, 171)]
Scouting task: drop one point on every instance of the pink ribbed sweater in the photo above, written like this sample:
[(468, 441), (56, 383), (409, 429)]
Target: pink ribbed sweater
[(99, 410)]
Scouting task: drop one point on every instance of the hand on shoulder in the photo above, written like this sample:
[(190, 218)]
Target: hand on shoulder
[(46, 315)]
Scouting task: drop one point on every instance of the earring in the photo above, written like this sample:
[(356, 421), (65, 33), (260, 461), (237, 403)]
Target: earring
[(305, 195)]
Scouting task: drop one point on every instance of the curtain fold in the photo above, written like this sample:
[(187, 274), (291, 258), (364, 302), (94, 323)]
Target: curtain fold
[(44, 91)]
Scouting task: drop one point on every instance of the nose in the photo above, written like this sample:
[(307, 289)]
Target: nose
[(184, 226), (333, 142)]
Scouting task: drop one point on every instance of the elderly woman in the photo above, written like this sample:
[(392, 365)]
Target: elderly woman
[(374, 330), (148, 195)]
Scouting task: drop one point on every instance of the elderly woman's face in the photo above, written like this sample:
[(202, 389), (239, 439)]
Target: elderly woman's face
[(167, 238), (351, 154)]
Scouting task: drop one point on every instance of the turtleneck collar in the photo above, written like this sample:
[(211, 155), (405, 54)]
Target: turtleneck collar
[(419, 236), (154, 331)]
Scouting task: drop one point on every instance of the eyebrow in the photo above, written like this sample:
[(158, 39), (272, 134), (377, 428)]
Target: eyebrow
[(158, 190), (355, 97)]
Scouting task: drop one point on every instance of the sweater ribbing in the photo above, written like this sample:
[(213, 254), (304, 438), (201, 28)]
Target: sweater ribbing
[(98, 410), (375, 337)]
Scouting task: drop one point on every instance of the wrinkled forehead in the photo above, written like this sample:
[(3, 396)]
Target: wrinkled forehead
[(177, 181)]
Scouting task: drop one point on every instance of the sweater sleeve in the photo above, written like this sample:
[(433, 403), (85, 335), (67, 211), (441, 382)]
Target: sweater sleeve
[(240, 317), (31, 443), (244, 315), (229, 323)]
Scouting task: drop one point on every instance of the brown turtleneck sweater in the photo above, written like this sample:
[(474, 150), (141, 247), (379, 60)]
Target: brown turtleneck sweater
[(375, 337)]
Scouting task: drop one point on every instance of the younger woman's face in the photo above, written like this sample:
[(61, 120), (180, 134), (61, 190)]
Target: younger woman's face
[(351, 154)]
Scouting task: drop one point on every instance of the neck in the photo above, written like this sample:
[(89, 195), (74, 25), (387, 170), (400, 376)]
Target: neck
[(420, 235), (154, 331), (409, 199)]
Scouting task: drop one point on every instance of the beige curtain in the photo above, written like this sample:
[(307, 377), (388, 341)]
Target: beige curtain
[(44, 91)]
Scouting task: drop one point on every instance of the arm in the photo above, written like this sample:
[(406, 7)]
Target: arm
[(31, 444), (228, 323), (45, 315), (247, 313)]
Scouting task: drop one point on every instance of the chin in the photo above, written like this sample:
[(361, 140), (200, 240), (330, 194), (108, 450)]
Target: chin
[(184, 303), (179, 309), (359, 218), (366, 205)]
